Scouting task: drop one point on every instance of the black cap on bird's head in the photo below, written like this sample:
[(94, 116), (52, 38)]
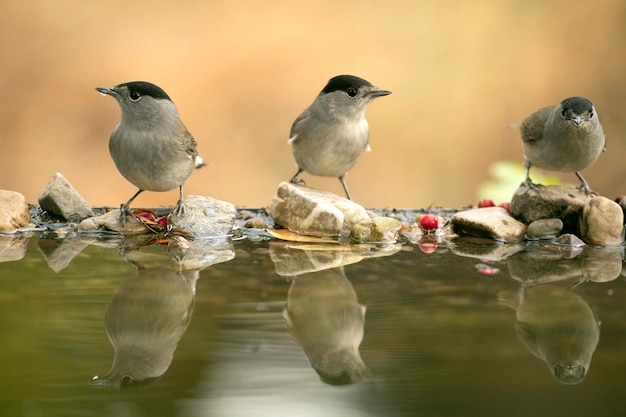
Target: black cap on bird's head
[(136, 90), (577, 105), (351, 85), (577, 110)]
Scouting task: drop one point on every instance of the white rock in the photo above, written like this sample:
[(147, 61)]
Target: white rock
[(312, 212)]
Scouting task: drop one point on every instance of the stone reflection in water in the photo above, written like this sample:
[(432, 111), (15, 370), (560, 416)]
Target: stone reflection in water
[(58, 253), (552, 322), (540, 265), (323, 314), (13, 247), (150, 312)]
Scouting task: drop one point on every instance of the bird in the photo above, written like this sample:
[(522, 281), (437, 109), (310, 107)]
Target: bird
[(151, 147), (567, 137), (330, 135)]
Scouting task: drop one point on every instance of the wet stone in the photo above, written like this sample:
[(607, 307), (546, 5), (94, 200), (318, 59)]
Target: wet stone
[(61, 199), (13, 211), (549, 202), (255, 223), (111, 221), (544, 229), (568, 246), (490, 222), (312, 212), (602, 222), (206, 217), (376, 229)]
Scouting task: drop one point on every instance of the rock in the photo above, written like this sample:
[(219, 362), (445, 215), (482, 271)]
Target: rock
[(622, 204), (568, 246), (13, 211), (549, 202), (312, 212), (602, 222), (569, 239), (206, 217), (255, 223), (111, 222), (376, 229), (491, 222), (544, 229), (61, 199)]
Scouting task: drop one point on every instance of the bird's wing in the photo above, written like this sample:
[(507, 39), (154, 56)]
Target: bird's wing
[(532, 127), (293, 135), (188, 144)]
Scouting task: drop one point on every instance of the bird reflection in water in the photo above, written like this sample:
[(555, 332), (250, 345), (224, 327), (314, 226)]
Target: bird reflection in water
[(324, 317), (145, 320), (557, 326)]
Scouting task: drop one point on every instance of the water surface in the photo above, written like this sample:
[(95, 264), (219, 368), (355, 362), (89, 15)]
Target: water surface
[(258, 327)]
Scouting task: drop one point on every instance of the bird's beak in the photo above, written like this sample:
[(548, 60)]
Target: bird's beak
[(578, 120), (107, 91), (378, 93)]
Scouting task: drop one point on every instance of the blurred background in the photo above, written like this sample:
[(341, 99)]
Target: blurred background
[(462, 73)]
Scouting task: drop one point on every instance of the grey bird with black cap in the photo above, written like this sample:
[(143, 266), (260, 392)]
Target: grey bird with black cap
[(151, 147), (331, 134), (567, 137)]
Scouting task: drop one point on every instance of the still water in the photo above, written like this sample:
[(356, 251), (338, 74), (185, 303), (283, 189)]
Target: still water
[(95, 326)]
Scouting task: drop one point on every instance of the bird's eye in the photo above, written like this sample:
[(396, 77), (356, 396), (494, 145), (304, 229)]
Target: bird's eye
[(134, 96), (591, 114), (564, 112), (352, 92)]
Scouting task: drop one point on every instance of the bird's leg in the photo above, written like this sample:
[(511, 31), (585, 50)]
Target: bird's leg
[(179, 209), (125, 208), (295, 179), (345, 186), (528, 182), (584, 185)]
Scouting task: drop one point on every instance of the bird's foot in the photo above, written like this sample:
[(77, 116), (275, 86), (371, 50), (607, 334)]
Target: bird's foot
[(584, 187), (531, 185), (178, 211), (125, 213), (297, 180)]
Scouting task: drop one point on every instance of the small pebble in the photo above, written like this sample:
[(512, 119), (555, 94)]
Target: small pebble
[(544, 229)]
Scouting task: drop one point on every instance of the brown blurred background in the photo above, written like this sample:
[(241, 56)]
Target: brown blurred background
[(240, 72)]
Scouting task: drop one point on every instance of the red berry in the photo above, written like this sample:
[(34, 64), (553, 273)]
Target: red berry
[(486, 202), (429, 222), (162, 221), (506, 206), (619, 198)]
